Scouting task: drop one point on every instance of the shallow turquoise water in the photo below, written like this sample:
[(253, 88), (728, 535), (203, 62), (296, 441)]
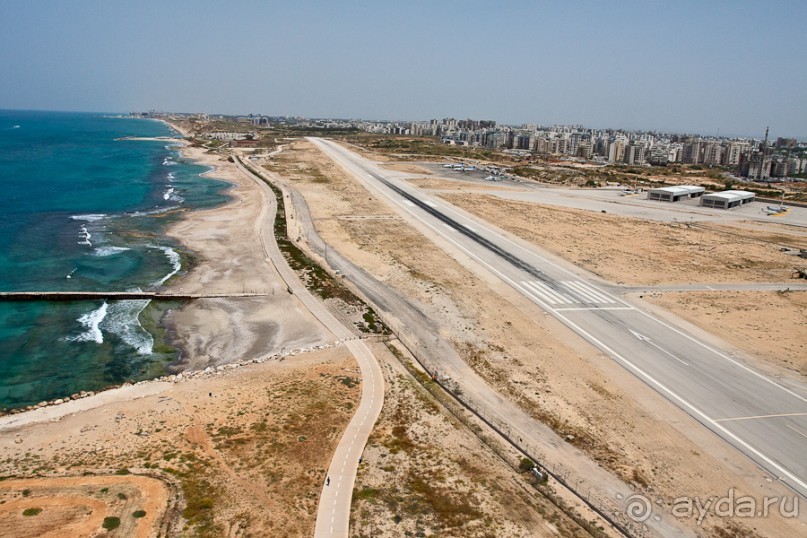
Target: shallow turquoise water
[(80, 210)]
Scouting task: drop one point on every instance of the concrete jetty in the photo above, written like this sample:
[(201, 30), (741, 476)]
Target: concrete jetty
[(7, 296)]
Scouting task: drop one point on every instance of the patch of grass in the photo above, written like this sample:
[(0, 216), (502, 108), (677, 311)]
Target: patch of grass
[(201, 495), (28, 512), (450, 511), (123, 471), (349, 382), (366, 493), (111, 523)]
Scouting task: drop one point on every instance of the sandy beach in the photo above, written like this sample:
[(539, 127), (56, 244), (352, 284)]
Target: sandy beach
[(250, 365), (229, 256)]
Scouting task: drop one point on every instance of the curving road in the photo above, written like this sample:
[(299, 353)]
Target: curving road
[(764, 418), (333, 514)]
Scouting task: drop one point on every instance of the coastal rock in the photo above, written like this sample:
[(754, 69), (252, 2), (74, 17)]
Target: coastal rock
[(58, 402)]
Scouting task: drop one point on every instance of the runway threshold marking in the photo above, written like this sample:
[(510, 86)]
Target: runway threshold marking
[(571, 292), (548, 294), (594, 295), (594, 308), (761, 416), (672, 395)]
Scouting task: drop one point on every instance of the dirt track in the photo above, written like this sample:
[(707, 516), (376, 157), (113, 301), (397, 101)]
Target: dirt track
[(77, 506)]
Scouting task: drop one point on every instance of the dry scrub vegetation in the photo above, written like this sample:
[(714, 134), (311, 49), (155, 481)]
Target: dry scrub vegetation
[(246, 451), (525, 356), (414, 479)]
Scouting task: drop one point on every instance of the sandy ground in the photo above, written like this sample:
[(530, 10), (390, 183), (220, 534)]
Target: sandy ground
[(414, 480), (634, 251), (77, 506), (246, 448), (230, 259), (407, 167), (526, 356), (769, 325)]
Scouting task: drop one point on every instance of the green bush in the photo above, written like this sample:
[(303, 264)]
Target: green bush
[(111, 523), (139, 513), (31, 511), (525, 465)]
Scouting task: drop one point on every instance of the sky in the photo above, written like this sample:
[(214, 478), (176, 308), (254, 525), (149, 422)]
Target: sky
[(732, 67)]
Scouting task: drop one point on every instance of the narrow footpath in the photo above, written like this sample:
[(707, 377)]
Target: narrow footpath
[(333, 514)]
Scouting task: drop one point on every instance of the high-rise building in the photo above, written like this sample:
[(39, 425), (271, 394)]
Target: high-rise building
[(692, 152), (712, 153)]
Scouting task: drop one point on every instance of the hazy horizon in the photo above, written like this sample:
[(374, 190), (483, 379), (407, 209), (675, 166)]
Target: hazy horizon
[(686, 68)]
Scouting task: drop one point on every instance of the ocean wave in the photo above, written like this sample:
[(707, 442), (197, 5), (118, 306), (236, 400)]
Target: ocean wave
[(123, 320), (174, 260), (168, 162), (170, 176), (167, 194), (109, 251), (91, 217), (92, 322), (85, 236)]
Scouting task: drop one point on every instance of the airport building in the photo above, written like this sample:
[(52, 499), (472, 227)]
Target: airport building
[(727, 199), (676, 193)]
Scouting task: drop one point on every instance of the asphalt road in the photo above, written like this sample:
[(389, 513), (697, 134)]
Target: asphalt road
[(333, 513), (760, 416)]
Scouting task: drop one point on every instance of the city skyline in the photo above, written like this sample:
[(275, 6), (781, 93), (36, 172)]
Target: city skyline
[(724, 68)]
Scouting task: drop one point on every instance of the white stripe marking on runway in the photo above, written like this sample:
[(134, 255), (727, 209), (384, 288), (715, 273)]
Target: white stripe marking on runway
[(537, 293), (557, 297), (588, 297)]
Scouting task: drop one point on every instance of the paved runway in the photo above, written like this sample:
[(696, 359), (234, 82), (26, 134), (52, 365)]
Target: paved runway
[(763, 418)]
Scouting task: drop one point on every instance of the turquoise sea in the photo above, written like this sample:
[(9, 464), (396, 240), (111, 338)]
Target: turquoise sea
[(80, 210)]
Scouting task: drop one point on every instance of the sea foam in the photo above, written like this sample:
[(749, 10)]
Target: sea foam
[(92, 322), (123, 320), (84, 235), (90, 218), (173, 258), (109, 251)]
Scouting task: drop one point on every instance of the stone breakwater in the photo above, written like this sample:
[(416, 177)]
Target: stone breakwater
[(208, 372)]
